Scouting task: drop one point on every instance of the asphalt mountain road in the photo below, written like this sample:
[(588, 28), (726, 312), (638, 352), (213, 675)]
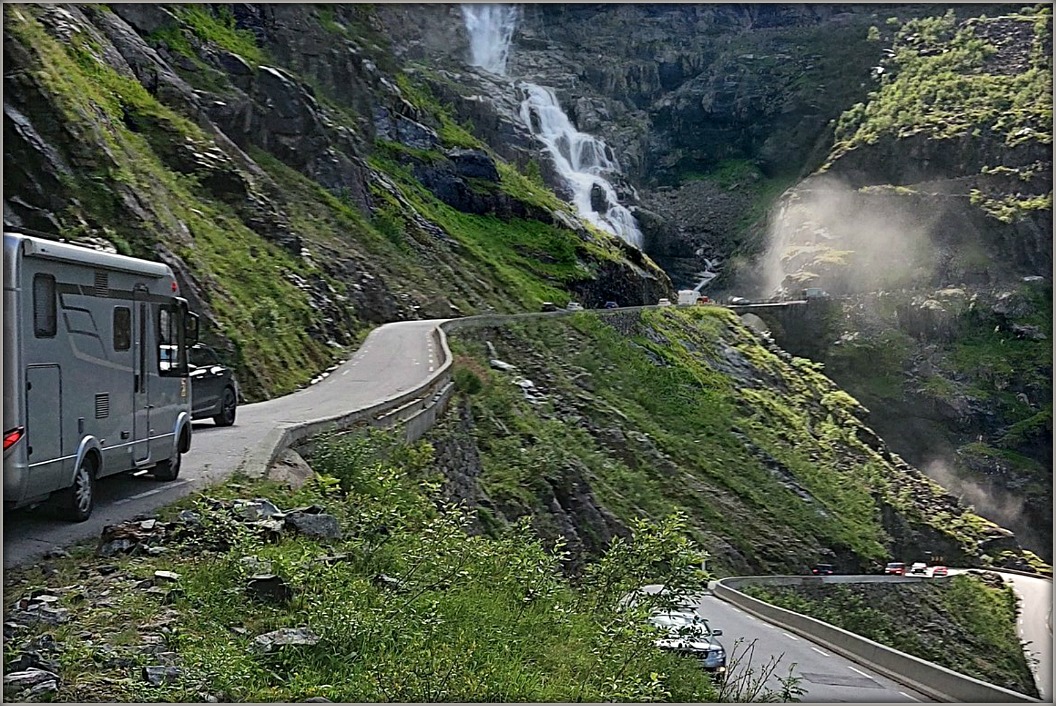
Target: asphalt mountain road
[(394, 358)]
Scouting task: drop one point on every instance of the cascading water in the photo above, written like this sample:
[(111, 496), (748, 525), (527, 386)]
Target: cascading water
[(490, 30), (582, 161)]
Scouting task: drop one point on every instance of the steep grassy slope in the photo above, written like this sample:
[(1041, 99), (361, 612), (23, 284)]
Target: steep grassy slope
[(645, 413), (405, 605), (961, 623), (293, 221)]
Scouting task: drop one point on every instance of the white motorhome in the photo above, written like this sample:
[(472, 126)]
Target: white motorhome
[(95, 371), (687, 296)]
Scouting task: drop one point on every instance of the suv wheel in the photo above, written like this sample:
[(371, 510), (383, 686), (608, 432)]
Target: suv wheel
[(228, 406)]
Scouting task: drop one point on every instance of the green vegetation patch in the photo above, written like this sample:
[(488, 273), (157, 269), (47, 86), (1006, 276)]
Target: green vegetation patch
[(138, 140), (685, 410), (406, 605), (942, 86), (962, 623)]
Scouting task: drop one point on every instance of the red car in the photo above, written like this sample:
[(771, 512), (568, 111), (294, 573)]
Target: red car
[(940, 571), (895, 568)]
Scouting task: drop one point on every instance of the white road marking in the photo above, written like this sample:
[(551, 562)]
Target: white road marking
[(907, 696), (768, 625), (430, 368), (167, 486), (854, 669), (790, 637), (823, 654)]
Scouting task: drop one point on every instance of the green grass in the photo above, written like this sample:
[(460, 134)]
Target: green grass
[(472, 618), (706, 437), (262, 314), (219, 28)]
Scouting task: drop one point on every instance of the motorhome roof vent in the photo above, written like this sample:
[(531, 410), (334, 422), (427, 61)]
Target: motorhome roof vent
[(102, 284), (102, 406)]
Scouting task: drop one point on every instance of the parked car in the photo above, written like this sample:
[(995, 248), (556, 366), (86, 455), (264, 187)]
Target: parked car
[(919, 567), (688, 634), (612, 305), (574, 306), (548, 306), (214, 389), (940, 571), (822, 570), (664, 301), (895, 568)]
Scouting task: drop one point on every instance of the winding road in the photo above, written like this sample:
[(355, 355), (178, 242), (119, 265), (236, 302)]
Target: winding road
[(394, 358), (399, 357)]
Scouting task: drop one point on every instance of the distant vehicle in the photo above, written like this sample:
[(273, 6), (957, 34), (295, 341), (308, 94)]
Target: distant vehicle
[(688, 634), (95, 371), (738, 300), (574, 306), (612, 305), (664, 301), (815, 293), (895, 568), (822, 570), (918, 568), (548, 306), (214, 390), (940, 571), (703, 300), (687, 296)]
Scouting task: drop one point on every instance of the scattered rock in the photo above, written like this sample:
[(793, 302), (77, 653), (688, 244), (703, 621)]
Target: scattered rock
[(387, 582), (161, 674), (166, 576), (284, 637), (502, 365), (259, 509), (269, 588), (315, 525), (38, 680)]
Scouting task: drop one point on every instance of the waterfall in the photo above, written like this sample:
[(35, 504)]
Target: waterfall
[(582, 161), (490, 30)]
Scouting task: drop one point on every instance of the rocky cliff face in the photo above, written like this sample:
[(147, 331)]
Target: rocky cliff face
[(933, 218), (301, 185)]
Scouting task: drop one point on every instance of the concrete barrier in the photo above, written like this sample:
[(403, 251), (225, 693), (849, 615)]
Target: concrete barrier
[(931, 679)]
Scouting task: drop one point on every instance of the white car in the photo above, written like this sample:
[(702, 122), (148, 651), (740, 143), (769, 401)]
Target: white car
[(574, 306), (918, 568), (664, 302)]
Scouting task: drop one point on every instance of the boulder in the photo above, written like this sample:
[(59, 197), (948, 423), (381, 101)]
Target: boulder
[(285, 637), (319, 525)]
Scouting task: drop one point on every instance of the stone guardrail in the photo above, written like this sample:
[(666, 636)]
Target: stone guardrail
[(936, 682), (416, 409)]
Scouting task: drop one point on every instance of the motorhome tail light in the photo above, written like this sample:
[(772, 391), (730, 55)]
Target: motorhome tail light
[(175, 287), (11, 437)]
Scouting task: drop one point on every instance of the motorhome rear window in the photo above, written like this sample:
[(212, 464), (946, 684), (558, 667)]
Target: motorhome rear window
[(44, 315), (122, 328)]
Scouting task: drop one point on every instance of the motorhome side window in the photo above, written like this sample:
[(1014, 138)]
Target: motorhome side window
[(44, 310), (122, 328), (172, 348)]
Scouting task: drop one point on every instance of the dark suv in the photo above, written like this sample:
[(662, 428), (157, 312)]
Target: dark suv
[(214, 390), (822, 570)]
